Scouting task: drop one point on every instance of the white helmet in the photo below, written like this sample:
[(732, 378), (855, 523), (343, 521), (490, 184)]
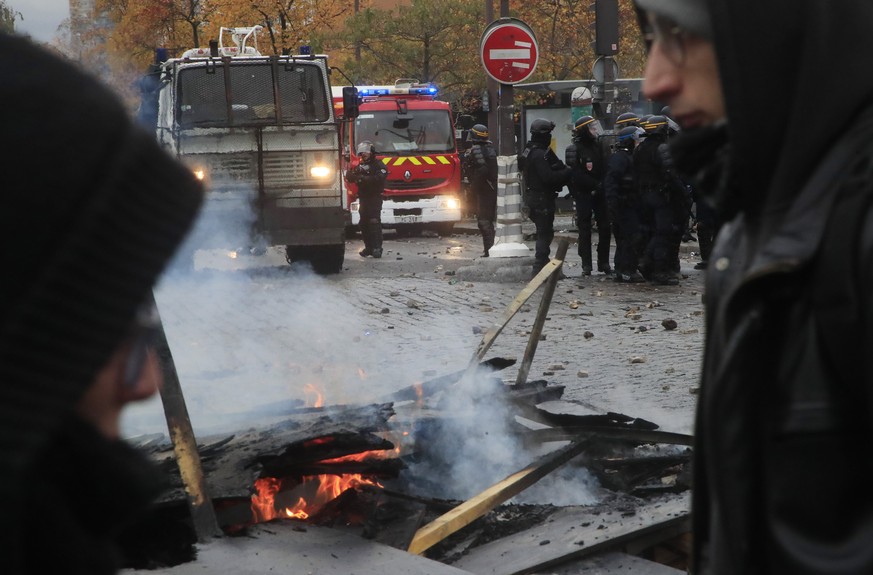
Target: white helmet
[(365, 147)]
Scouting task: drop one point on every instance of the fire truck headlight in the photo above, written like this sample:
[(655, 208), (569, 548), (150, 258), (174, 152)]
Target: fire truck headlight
[(453, 203), (320, 172), (199, 173)]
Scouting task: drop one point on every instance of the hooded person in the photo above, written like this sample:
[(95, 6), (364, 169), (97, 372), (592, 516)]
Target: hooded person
[(95, 209), (785, 411)]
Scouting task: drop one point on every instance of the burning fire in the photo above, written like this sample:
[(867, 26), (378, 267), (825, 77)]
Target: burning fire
[(314, 397), (273, 495), (318, 489)]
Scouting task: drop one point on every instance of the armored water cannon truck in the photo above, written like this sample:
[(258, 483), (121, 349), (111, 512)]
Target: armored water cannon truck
[(261, 132)]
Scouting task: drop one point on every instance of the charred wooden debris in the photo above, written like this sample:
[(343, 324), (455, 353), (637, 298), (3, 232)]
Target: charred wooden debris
[(353, 467)]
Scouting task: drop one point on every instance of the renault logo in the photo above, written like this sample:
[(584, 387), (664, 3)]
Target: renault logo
[(407, 175)]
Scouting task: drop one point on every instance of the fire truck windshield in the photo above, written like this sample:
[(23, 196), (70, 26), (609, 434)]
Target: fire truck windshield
[(249, 98), (423, 131)]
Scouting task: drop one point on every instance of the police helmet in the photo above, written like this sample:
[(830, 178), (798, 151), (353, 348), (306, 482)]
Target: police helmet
[(672, 126), (627, 137), (542, 126), (656, 125), (627, 119), (366, 147), (587, 126), (479, 132)]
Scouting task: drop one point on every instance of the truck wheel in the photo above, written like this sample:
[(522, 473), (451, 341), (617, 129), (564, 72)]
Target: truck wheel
[(323, 259), (330, 260)]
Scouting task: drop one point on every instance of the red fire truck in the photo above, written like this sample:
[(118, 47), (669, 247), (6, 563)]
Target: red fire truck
[(413, 134)]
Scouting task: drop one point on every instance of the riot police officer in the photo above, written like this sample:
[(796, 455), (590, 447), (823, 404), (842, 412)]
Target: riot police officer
[(480, 167), (369, 175), (544, 175), (662, 198), (585, 157), (623, 202), (625, 120)]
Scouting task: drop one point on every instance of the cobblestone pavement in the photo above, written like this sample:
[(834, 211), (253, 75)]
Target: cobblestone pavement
[(251, 332)]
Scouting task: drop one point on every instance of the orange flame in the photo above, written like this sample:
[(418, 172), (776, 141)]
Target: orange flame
[(311, 390), (319, 489)]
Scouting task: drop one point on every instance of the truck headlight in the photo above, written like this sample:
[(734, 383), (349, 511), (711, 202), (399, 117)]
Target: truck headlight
[(319, 172), (451, 203), (199, 173)]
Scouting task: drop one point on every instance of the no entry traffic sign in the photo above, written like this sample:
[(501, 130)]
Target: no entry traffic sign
[(509, 50)]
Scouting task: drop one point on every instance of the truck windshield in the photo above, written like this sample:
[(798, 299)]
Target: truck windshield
[(425, 131), (250, 96)]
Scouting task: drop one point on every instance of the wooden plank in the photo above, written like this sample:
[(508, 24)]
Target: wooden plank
[(184, 443), (608, 432), (233, 468), (575, 532), (540, 320), (512, 309), (473, 508), (432, 386)]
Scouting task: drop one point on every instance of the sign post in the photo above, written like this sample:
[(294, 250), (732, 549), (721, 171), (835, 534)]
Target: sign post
[(509, 52)]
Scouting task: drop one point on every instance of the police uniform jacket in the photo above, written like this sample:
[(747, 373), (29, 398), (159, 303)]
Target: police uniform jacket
[(585, 158), (618, 184), (481, 164), (370, 177), (545, 174)]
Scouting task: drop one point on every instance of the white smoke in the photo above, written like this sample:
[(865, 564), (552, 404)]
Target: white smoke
[(253, 337), (478, 443)]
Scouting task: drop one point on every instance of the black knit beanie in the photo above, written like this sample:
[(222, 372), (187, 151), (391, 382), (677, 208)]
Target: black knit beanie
[(92, 209), (693, 15)]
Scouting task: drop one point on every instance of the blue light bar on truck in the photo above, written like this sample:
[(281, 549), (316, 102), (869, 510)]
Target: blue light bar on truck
[(373, 91), (408, 90)]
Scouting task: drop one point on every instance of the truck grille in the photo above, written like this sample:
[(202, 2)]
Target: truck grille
[(414, 184), (282, 169), (232, 167)]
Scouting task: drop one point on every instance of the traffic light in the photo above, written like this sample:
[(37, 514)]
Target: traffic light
[(605, 27)]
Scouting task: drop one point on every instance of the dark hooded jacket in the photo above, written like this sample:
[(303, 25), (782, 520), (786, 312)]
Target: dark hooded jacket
[(785, 418), (96, 209)]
